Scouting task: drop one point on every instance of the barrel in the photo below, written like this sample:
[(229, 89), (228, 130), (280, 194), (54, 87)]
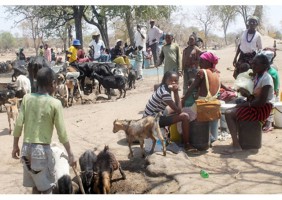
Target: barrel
[(250, 133), (199, 135), (278, 114)]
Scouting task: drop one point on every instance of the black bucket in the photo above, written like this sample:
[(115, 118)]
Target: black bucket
[(250, 133), (199, 135)]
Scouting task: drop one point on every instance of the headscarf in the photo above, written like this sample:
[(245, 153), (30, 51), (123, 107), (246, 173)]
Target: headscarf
[(210, 57), (269, 54)]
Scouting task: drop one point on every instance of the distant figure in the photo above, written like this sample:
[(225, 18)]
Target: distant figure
[(41, 51), (72, 52), (237, 42), (47, 52), (274, 44), (153, 37), (53, 55)]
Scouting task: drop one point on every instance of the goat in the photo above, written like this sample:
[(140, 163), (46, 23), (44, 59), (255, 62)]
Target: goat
[(131, 78), (106, 164), (141, 129), (62, 91), (12, 111), (5, 95), (114, 82), (87, 162)]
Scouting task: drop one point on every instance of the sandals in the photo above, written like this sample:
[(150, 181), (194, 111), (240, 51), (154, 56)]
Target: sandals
[(267, 129), (189, 148)]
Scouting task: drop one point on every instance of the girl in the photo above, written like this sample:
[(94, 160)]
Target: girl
[(161, 98)]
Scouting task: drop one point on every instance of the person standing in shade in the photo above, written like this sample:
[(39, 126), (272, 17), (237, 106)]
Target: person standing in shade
[(140, 40), (98, 47), (170, 55), (72, 52), (153, 37), (47, 52), (250, 43)]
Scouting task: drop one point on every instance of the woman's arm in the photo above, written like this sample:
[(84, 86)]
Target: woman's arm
[(195, 85), (262, 98)]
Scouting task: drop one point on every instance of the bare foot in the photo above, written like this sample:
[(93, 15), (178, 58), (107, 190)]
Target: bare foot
[(232, 150)]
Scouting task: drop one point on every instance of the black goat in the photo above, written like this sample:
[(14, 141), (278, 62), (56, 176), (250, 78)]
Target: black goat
[(5, 95), (114, 82), (131, 78), (87, 163)]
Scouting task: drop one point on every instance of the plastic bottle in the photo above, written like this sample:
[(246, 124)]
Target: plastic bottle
[(204, 174)]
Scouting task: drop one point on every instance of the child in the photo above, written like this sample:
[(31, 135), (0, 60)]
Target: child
[(39, 113), (139, 62), (162, 98)]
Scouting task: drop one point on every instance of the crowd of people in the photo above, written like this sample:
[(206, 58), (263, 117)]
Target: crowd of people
[(201, 81)]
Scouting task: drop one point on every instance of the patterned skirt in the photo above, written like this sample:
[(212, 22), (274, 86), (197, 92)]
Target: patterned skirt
[(254, 113)]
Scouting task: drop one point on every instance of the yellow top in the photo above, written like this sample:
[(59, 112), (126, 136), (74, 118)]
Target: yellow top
[(72, 54)]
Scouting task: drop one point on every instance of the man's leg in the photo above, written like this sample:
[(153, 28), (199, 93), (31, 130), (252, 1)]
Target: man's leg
[(154, 52)]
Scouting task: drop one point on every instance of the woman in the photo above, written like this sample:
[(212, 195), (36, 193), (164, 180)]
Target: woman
[(258, 105), (249, 44), (190, 61), (162, 98), (207, 62)]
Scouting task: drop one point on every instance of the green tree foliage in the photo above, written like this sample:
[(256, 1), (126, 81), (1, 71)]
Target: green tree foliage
[(7, 40)]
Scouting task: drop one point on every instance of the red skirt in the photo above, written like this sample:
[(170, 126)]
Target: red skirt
[(254, 113)]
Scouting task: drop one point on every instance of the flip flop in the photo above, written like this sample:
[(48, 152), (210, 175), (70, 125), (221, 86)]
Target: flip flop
[(267, 129)]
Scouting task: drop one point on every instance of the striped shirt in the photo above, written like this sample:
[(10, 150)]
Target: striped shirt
[(157, 103)]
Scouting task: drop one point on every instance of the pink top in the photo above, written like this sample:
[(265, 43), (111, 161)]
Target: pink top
[(47, 54)]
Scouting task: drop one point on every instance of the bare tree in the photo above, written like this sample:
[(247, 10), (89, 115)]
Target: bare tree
[(226, 14), (206, 18), (245, 11)]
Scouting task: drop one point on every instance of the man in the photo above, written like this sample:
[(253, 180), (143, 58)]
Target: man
[(170, 54), (154, 34), (98, 47), (72, 52), (140, 41), (250, 43)]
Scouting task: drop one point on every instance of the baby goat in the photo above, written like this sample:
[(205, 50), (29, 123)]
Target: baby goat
[(12, 111), (141, 129), (106, 164)]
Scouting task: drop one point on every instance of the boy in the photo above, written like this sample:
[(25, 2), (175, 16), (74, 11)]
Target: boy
[(39, 113), (139, 62)]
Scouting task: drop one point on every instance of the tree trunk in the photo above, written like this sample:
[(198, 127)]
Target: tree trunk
[(259, 13), (129, 25), (77, 14)]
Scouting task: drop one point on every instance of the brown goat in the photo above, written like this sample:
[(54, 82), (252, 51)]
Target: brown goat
[(12, 111), (106, 164), (62, 92), (139, 130)]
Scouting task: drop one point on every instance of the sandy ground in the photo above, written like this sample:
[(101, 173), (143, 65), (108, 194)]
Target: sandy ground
[(90, 126)]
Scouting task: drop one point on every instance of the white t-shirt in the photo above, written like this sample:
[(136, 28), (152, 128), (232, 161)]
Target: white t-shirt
[(266, 79), (254, 44), (139, 41), (154, 33), (97, 48)]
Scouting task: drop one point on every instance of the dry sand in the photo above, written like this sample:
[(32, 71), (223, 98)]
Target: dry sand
[(90, 126)]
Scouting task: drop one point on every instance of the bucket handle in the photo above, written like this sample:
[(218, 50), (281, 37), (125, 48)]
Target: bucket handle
[(278, 110)]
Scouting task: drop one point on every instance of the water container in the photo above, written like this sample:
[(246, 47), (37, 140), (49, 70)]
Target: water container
[(199, 135), (223, 108), (250, 134), (278, 114), (174, 135)]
